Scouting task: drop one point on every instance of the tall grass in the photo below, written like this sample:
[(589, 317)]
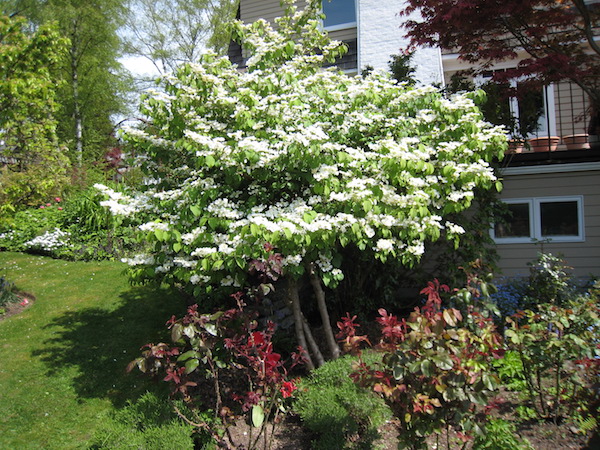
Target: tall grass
[(62, 361)]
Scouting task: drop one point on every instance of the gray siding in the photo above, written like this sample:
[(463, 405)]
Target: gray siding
[(252, 10), (584, 257)]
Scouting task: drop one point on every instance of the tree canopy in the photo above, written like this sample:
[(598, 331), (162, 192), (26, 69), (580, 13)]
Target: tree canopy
[(35, 163), (92, 81), (549, 40), (169, 33)]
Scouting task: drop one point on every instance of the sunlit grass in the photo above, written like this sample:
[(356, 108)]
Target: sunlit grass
[(62, 361)]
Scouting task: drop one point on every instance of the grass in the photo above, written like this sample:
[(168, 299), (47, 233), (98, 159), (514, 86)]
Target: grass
[(62, 361)]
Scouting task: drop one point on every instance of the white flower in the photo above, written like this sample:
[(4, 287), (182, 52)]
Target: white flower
[(384, 245), (292, 260), (199, 279), (153, 226), (454, 228), (416, 249), (50, 240), (139, 260), (201, 252)]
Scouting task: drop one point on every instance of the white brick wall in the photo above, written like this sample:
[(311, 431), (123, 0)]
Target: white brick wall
[(380, 36)]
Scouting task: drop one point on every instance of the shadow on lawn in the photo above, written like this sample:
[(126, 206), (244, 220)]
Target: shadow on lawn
[(94, 345)]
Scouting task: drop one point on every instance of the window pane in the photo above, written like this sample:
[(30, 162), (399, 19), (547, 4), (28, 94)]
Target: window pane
[(559, 219), (338, 12), (516, 222), (532, 112)]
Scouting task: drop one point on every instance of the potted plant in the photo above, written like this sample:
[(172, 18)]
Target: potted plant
[(516, 146), (544, 143), (576, 141)]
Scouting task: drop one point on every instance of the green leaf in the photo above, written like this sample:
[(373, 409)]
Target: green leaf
[(211, 328), (367, 205), (443, 362), (427, 368), (195, 210), (176, 332), (398, 372), (258, 416), (177, 246), (309, 216), (449, 317), (191, 365), (187, 355), (209, 160)]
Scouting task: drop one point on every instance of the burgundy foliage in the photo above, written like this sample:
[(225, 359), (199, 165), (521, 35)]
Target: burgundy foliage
[(550, 40)]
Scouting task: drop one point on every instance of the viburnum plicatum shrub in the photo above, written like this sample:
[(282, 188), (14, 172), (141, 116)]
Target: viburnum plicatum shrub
[(307, 159), (436, 371)]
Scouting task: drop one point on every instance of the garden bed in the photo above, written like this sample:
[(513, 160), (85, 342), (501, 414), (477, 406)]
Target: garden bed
[(25, 300)]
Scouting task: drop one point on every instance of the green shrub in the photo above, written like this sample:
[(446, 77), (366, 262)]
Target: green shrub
[(510, 371), (333, 406), (500, 435), (27, 224), (557, 346), (76, 229), (149, 423)]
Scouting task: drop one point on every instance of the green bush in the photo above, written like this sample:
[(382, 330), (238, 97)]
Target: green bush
[(27, 224), (78, 228), (333, 406), (149, 423), (500, 435), (557, 347)]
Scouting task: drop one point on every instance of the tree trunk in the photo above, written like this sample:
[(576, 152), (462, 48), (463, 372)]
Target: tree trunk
[(315, 281), (314, 347), (77, 117), (294, 300)]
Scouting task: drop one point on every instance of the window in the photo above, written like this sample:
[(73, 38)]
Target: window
[(534, 111), (556, 219), (531, 114), (339, 14)]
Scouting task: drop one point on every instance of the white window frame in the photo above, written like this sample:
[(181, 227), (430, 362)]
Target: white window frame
[(535, 222), (341, 26)]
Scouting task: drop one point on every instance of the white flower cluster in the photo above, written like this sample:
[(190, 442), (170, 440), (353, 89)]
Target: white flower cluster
[(120, 204), (50, 240)]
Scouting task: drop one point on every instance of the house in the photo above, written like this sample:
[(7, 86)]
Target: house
[(553, 195)]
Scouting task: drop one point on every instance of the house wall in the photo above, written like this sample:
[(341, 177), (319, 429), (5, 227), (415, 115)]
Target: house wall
[(584, 257), (252, 10), (380, 35)]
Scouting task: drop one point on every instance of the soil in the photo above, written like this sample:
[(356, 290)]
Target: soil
[(25, 301), (290, 435)]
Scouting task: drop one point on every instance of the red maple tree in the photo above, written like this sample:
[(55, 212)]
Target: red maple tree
[(549, 40)]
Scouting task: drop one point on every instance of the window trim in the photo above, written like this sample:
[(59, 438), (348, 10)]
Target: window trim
[(535, 225)]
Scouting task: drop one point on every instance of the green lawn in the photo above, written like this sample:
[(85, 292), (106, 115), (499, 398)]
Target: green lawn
[(62, 361)]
